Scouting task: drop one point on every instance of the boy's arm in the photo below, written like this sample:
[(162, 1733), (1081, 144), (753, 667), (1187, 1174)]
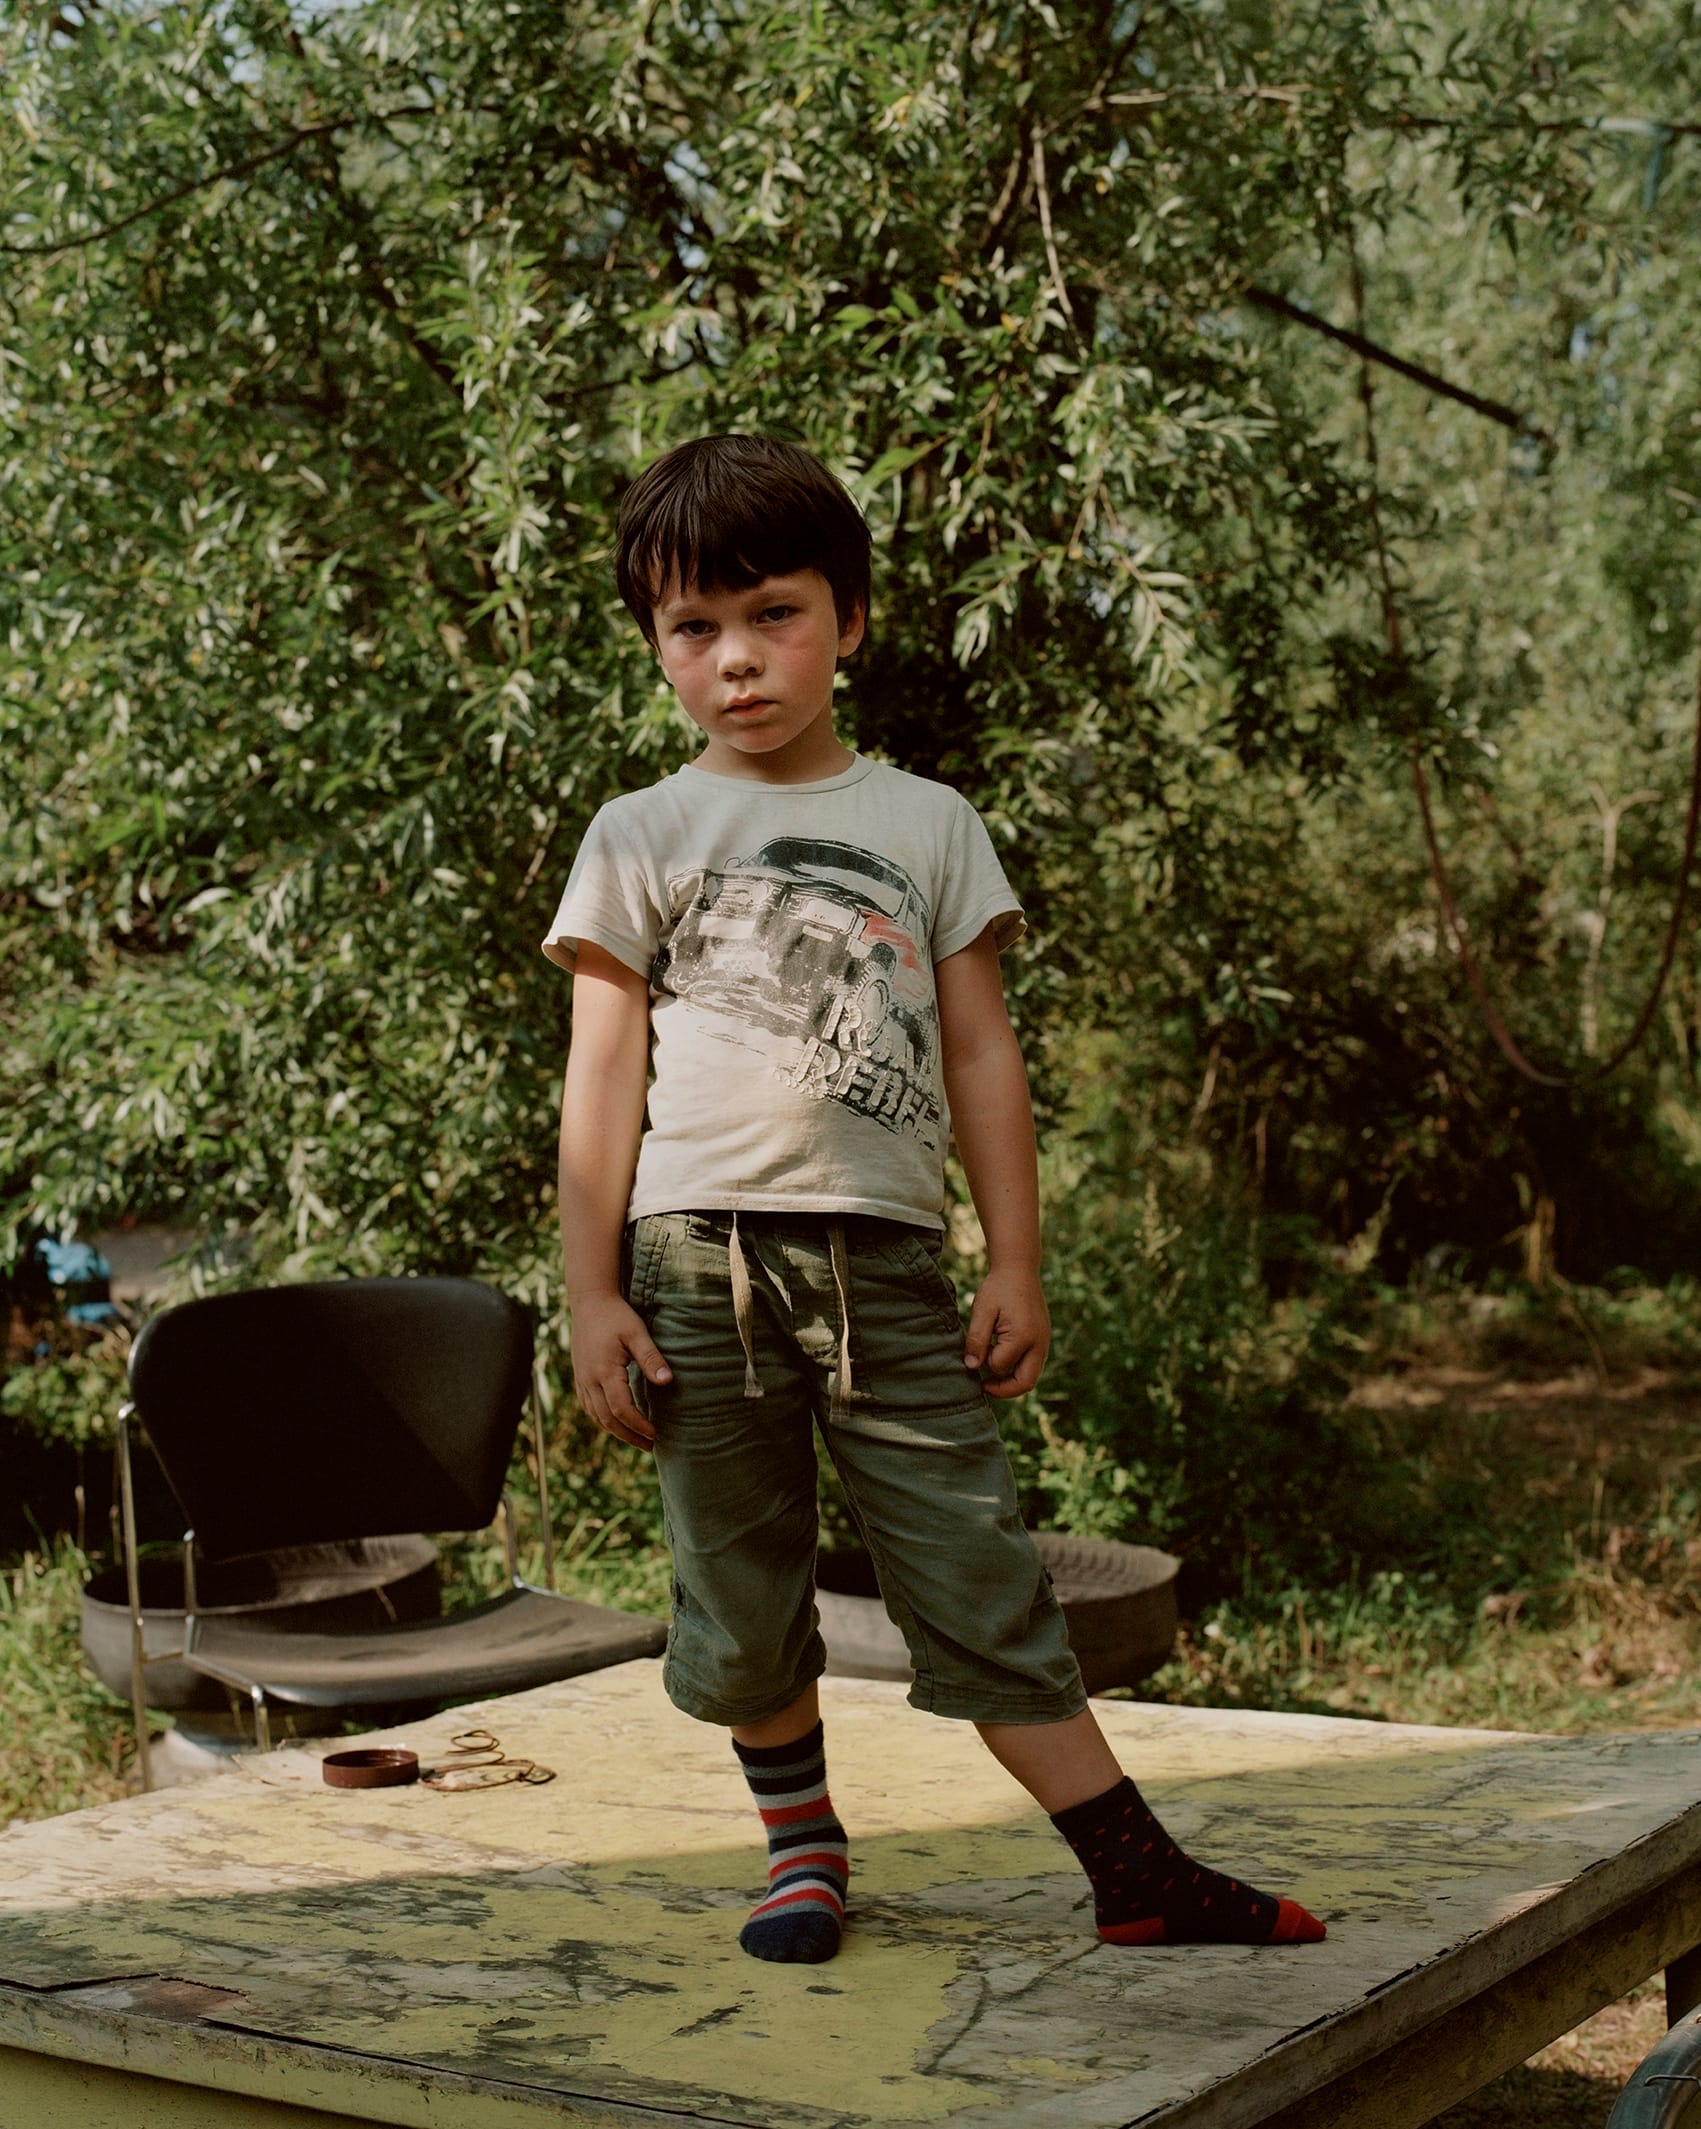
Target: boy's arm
[(993, 1122), (602, 1119)]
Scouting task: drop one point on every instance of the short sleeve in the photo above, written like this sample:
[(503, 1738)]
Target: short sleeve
[(609, 901), (974, 892)]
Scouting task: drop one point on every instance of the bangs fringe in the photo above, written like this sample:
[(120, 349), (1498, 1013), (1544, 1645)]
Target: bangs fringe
[(723, 512)]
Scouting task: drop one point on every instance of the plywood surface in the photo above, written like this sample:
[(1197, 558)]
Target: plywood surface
[(570, 1951)]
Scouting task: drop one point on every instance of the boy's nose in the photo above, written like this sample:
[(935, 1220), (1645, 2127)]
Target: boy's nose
[(740, 654)]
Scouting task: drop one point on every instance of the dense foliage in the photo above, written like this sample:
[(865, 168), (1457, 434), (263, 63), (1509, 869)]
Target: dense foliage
[(329, 339)]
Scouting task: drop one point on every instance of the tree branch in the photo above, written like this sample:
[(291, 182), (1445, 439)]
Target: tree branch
[(1118, 53), (1292, 94), (383, 288), (1057, 280), (244, 168), (1007, 200), (1369, 351), (1436, 122)]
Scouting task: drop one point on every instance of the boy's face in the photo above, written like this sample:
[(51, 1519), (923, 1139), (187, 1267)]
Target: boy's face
[(754, 670)]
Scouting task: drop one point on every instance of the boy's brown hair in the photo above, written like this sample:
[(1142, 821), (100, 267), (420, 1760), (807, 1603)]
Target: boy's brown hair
[(723, 512)]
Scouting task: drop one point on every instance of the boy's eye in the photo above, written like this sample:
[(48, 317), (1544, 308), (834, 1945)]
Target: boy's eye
[(691, 628), (778, 613)]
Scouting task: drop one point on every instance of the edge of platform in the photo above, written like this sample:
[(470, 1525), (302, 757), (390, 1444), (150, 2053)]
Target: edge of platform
[(1338, 2045), (391, 2090)]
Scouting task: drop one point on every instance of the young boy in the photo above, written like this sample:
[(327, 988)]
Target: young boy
[(803, 944)]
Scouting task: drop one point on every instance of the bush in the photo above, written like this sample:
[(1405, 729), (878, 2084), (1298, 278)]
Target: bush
[(60, 1389), (1184, 1404)]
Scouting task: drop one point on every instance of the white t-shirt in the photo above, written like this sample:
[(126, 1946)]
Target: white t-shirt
[(789, 933)]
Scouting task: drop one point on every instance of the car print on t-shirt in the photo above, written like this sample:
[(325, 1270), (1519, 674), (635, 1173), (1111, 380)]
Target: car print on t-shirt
[(813, 953)]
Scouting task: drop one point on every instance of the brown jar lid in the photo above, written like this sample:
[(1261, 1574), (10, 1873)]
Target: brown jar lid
[(370, 1767)]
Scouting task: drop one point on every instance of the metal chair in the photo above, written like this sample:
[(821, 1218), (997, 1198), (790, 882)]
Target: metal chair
[(362, 1408)]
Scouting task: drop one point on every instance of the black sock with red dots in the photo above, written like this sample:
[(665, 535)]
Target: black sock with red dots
[(1146, 1890)]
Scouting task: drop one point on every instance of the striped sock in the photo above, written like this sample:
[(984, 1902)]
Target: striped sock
[(808, 1867)]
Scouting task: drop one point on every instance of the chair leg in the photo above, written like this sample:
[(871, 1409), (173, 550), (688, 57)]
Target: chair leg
[(510, 1552), (133, 1584), (540, 1449), (262, 1719)]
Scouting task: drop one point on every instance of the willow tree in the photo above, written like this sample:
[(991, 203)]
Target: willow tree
[(330, 339)]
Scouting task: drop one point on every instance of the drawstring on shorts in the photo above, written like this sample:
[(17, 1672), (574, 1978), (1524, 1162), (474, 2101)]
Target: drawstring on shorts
[(744, 1314), (743, 1310)]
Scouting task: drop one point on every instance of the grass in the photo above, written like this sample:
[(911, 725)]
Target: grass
[(1546, 1473), (607, 1558), (1542, 1451), (66, 1742)]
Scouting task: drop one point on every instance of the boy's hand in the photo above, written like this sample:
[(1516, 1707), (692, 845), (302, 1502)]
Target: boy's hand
[(1009, 1333), (607, 1333)]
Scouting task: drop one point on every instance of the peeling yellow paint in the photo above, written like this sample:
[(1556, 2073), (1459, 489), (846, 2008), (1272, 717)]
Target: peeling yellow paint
[(580, 1940), (38, 2092), (774, 2021)]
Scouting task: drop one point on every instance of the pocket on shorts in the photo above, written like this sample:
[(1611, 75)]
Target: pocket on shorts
[(918, 1265), (643, 1251)]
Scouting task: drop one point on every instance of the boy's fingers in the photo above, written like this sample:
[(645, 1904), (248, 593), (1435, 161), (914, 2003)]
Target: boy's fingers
[(626, 1431), (1014, 1365), (648, 1355), (983, 1324), (628, 1422), (1018, 1383), (1007, 1350), (624, 1425)]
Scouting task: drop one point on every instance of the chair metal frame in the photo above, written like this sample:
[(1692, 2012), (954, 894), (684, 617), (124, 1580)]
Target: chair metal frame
[(233, 1681)]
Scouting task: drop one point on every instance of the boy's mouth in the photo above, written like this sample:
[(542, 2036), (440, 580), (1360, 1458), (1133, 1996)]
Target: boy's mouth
[(749, 702)]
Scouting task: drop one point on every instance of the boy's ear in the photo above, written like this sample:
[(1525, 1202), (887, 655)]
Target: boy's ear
[(850, 636)]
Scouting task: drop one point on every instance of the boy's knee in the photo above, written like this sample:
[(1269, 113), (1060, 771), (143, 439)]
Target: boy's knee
[(738, 1688)]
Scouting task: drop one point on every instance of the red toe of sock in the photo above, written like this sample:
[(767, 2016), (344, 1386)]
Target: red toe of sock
[(1295, 1926), (1150, 1930)]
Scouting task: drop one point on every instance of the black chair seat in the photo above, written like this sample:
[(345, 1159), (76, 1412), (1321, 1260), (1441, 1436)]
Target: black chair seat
[(525, 1637), (342, 1409)]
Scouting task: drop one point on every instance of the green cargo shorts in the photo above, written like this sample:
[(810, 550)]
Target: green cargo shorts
[(773, 1325)]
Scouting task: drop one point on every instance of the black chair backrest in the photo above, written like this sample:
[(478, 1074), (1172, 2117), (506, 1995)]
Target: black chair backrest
[(295, 1415)]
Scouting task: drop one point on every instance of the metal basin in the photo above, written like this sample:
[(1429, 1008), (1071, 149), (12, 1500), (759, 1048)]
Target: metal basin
[(349, 1587), (1118, 1604)]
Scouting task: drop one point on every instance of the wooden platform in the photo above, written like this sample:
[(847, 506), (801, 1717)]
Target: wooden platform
[(260, 1949)]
